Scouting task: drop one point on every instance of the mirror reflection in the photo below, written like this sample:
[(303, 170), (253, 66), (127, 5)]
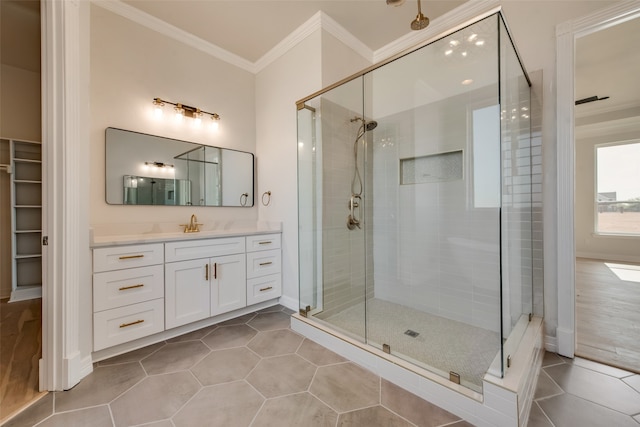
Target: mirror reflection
[(144, 169)]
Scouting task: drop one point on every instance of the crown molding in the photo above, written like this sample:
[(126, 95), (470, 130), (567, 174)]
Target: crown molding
[(602, 19), (339, 32), (450, 22), (302, 32), (319, 20), (153, 23)]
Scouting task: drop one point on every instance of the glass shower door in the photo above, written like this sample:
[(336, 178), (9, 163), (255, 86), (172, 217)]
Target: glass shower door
[(331, 209), (434, 168)]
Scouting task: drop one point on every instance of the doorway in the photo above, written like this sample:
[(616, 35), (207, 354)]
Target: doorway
[(607, 195), (21, 206)]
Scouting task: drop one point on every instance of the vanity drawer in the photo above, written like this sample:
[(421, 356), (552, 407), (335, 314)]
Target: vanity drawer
[(118, 288), (205, 248), (263, 263), (119, 325), (264, 288), (263, 242), (119, 257)]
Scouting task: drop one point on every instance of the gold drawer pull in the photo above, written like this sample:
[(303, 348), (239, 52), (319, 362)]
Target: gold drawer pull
[(131, 256), (124, 288), (265, 243), (124, 325), (266, 263), (266, 289)]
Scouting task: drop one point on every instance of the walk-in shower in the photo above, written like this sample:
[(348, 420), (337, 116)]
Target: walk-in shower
[(428, 158)]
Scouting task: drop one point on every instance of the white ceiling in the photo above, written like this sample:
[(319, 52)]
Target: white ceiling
[(251, 28)]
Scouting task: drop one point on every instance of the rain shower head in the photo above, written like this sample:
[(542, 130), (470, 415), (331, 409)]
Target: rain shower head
[(421, 22)]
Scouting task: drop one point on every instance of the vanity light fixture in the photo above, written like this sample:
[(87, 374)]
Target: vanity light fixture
[(183, 110), (158, 165)]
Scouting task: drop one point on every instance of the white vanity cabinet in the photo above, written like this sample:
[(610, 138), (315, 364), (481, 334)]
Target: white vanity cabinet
[(213, 284), (128, 293), (144, 289), (264, 267)]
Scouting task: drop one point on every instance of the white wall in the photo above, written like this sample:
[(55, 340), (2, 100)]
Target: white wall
[(315, 62), (130, 65), (278, 87)]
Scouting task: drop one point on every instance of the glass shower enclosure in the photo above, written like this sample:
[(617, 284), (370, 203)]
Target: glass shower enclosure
[(414, 181)]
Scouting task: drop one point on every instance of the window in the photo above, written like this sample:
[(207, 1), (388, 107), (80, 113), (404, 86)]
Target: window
[(618, 188), (486, 157)]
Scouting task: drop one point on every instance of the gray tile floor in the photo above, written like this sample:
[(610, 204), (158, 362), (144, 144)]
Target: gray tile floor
[(255, 371), (579, 392)]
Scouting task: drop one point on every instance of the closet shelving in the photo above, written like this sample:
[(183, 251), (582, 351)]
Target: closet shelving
[(26, 219)]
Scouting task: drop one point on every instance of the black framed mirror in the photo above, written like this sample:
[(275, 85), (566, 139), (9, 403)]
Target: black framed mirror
[(144, 169)]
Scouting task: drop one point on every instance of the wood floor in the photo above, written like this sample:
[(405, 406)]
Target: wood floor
[(20, 350), (608, 312)]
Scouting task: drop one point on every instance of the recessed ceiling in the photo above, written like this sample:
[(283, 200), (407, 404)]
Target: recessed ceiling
[(250, 28)]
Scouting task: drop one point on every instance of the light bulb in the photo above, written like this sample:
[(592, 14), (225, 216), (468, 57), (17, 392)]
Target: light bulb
[(179, 112), (158, 107), (197, 118), (215, 125)]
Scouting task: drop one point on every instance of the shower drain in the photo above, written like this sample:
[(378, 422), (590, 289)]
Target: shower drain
[(411, 333)]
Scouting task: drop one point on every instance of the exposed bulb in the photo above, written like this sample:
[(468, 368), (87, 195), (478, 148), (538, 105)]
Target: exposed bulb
[(158, 107), (179, 112)]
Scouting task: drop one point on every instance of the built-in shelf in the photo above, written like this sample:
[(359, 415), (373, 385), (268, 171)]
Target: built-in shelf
[(26, 218)]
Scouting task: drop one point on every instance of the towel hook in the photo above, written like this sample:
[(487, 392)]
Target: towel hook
[(244, 197), (266, 194)]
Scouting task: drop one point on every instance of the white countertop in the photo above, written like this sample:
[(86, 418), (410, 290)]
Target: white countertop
[(131, 234)]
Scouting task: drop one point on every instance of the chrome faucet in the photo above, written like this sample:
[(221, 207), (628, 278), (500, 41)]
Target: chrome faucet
[(193, 226)]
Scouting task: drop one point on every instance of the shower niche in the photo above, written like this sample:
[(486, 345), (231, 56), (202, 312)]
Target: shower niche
[(440, 271)]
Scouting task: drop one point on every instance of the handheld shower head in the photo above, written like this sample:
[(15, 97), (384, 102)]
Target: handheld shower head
[(369, 126)]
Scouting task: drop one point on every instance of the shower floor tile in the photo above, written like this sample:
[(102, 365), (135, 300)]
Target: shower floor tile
[(442, 345)]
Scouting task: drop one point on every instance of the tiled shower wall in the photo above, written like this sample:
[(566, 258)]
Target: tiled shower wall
[(433, 250), (429, 248), (344, 259)]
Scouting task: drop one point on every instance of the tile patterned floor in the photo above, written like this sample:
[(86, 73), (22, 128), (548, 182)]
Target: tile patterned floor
[(579, 392), (250, 371), (255, 371)]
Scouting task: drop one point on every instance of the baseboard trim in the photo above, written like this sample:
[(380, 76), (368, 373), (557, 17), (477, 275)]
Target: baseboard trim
[(290, 303), (26, 293), (76, 368), (566, 342), (607, 257), (551, 343)]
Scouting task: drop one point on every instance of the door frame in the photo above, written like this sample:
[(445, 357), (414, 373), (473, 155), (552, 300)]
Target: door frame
[(567, 34), (66, 259)]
